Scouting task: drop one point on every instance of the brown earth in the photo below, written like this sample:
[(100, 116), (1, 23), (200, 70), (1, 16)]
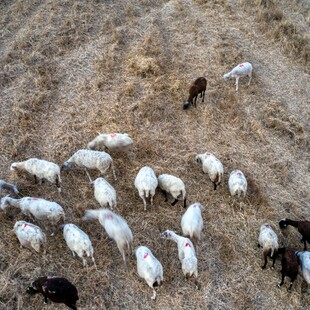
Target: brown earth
[(73, 69)]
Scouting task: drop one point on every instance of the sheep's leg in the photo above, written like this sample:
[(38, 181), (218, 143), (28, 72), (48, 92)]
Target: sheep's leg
[(58, 184), (174, 202), (165, 194), (45, 300), (214, 183), (250, 78), (195, 100), (273, 261), (154, 294), (184, 203), (305, 243), (237, 82), (282, 281), (35, 179), (203, 96), (70, 305), (265, 259), (144, 201)]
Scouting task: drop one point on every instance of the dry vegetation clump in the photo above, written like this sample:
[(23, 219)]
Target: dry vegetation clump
[(73, 69)]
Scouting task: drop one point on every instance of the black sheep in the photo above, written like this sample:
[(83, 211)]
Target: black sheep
[(57, 289), (198, 87)]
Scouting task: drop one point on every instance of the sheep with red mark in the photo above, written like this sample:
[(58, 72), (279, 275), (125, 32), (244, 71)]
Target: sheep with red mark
[(198, 87), (186, 253), (243, 69), (40, 169), (39, 208), (304, 261), (8, 186), (116, 228), (91, 160), (268, 240), (57, 289), (237, 183), (192, 223), (169, 184), (78, 242), (303, 228), (149, 268), (29, 235), (146, 183), (119, 142), (289, 263), (212, 166)]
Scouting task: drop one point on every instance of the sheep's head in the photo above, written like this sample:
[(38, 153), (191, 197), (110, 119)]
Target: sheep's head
[(199, 159), (14, 167), (282, 223), (4, 202), (166, 234), (226, 76), (32, 288), (66, 165)]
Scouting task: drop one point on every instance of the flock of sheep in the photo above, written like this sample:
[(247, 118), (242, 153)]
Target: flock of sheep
[(116, 227)]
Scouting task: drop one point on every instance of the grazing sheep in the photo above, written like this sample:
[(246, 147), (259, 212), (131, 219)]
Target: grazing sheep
[(237, 183), (289, 265), (198, 87), (174, 186), (8, 186), (269, 241), (116, 228), (119, 142), (40, 169), (192, 223), (244, 69), (78, 242), (149, 268), (146, 183), (304, 261), (40, 209), (212, 166), (186, 251), (57, 289), (30, 236), (303, 228), (91, 160)]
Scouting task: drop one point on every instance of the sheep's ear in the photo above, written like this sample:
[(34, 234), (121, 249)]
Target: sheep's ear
[(198, 159)]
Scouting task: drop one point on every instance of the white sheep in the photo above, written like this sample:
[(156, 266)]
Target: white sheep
[(104, 193), (30, 236), (119, 142), (174, 186), (149, 268), (304, 261), (8, 186), (40, 169), (192, 223), (91, 160), (243, 69), (40, 209), (78, 242), (268, 240), (116, 228), (146, 183), (186, 252), (237, 183), (212, 166)]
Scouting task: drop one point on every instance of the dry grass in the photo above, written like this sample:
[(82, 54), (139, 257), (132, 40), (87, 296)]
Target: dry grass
[(71, 70)]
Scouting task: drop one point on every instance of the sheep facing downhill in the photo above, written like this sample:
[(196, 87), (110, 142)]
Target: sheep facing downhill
[(289, 265), (119, 142), (116, 228), (268, 240), (237, 183), (146, 183), (212, 166), (304, 261), (91, 160), (40, 209), (192, 223), (303, 228), (243, 69), (104, 193), (78, 242), (40, 169), (197, 87), (8, 186), (170, 184), (57, 289), (186, 253), (149, 268), (30, 236)]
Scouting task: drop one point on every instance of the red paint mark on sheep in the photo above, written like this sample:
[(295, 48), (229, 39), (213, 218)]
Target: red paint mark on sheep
[(25, 225), (241, 65), (239, 173), (109, 216), (35, 198), (187, 244), (113, 135), (145, 255)]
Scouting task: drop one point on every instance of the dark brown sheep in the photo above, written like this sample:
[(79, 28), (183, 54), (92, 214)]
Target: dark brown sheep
[(302, 226), (289, 265), (58, 290), (198, 87)]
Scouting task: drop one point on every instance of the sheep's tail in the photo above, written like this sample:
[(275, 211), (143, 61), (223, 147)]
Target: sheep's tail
[(272, 251), (91, 215), (147, 193)]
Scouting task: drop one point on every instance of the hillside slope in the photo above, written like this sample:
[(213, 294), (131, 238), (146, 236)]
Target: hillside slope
[(71, 70)]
